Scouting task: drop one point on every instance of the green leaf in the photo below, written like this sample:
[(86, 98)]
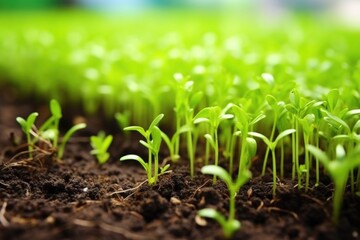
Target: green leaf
[(164, 168), (261, 136), (67, 136), (155, 122), (333, 120), (55, 109), (156, 139), (210, 139), (23, 124), (340, 152), (243, 177), (252, 147), (136, 158), (319, 154), (137, 128), (295, 98), (213, 214), (195, 99), (257, 118), (219, 172), (271, 100), (148, 146), (332, 98), (284, 134), (200, 120)]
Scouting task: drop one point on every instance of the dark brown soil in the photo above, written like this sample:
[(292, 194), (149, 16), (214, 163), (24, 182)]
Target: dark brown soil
[(78, 199)]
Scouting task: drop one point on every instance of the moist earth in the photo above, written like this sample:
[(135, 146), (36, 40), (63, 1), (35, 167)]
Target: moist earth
[(76, 198)]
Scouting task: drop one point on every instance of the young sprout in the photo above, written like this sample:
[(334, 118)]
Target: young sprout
[(171, 143), (272, 146), (50, 128), (26, 126), (229, 225), (213, 116), (277, 108), (243, 124), (100, 145), (185, 102), (67, 136), (339, 169), (153, 142)]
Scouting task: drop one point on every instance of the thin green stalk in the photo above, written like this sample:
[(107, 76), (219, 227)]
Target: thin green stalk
[(232, 152), (338, 198), (352, 177), (282, 159), (274, 171), (231, 205), (293, 149), (149, 173), (216, 152), (317, 164), (297, 153), (242, 155), (156, 167), (268, 149), (177, 139), (190, 153), (307, 162)]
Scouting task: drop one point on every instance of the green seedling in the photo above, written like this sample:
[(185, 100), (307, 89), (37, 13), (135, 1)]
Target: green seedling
[(50, 128), (213, 116), (272, 146), (347, 134), (26, 126), (229, 225), (185, 102), (171, 143), (338, 169), (277, 107), (100, 145), (153, 142), (67, 136)]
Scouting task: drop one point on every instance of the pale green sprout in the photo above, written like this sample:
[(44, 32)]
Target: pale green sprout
[(213, 116), (49, 129), (277, 108), (171, 142), (349, 134), (26, 126), (100, 145), (272, 146), (243, 124), (229, 225), (67, 136), (153, 142), (339, 169), (185, 102)]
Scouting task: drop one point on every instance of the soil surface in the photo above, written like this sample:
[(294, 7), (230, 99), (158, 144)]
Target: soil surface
[(79, 199)]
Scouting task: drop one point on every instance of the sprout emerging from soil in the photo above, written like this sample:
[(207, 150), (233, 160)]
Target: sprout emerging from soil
[(100, 145), (153, 142), (229, 225)]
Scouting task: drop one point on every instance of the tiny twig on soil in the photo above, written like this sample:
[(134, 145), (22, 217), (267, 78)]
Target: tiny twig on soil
[(3, 220), (200, 187), (129, 189), (4, 184), (111, 228), (283, 210)]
